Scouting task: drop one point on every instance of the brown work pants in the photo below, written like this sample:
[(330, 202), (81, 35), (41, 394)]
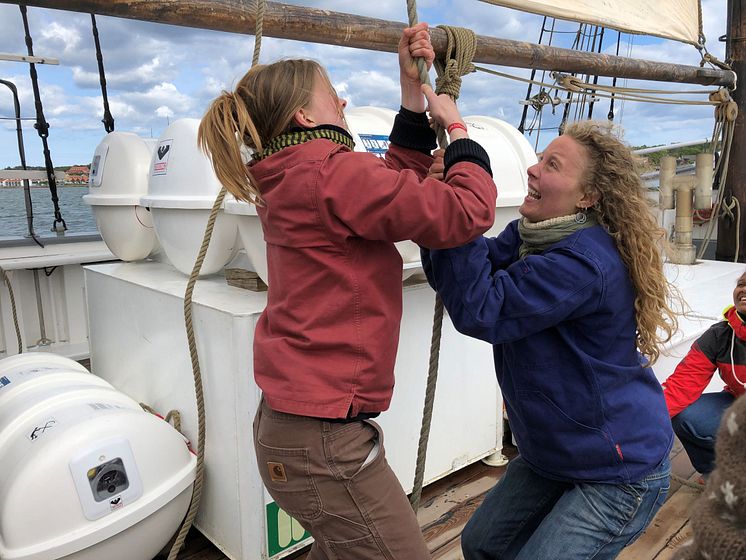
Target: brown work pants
[(334, 479)]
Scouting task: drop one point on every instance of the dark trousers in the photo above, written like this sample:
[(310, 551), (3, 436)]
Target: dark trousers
[(697, 425), (333, 478)]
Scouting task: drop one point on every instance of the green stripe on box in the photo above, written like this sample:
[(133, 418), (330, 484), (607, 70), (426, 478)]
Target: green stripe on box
[(283, 531)]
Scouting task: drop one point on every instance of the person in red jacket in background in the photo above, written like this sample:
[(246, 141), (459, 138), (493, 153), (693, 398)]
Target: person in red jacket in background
[(325, 346), (695, 415)]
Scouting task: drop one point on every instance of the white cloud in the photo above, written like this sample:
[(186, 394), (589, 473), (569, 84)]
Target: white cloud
[(156, 73)]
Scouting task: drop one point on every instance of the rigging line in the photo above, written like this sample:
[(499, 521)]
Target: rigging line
[(586, 46), (42, 127), (22, 153), (108, 120), (595, 78), (530, 84), (610, 115), (639, 90), (629, 97), (566, 110)]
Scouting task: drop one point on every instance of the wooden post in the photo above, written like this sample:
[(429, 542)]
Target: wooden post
[(736, 181), (334, 28)]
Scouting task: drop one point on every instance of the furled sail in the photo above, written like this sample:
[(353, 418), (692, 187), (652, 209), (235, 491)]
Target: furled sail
[(670, 19)]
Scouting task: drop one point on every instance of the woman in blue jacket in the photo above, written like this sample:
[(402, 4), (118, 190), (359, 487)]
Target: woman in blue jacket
[(574, 301)]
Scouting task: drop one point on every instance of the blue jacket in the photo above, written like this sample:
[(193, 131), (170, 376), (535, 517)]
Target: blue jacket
[(562, 325)]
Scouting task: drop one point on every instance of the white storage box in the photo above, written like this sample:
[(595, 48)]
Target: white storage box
[(138, 343)]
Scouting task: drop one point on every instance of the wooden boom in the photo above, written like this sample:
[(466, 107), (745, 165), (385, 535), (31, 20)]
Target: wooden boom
[(333, 28)]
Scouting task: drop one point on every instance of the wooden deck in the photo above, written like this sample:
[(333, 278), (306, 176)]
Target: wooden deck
[(447, 504)]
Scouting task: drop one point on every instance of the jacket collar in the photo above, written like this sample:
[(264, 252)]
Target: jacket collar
[(734, 320)]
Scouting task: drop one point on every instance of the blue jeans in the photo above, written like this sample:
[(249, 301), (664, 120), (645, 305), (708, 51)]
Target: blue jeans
[(529, 517), (697, 425)]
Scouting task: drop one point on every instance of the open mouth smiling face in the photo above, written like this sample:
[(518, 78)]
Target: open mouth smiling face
[(554, 183)]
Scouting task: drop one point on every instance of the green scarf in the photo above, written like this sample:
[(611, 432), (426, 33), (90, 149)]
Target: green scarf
[(293, 138), (537, 237)]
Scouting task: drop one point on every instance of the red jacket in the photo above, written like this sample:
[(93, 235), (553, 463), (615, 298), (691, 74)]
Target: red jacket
[(326, 343), (721, 347)]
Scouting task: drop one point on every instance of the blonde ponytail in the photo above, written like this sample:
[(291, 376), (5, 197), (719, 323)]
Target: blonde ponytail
[(221, 132), (262, 107)]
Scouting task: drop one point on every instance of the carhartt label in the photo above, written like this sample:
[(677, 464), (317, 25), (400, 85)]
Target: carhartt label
[(277, 472)]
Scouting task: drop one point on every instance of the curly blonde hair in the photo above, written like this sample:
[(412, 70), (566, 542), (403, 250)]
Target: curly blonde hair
[(624, 211)]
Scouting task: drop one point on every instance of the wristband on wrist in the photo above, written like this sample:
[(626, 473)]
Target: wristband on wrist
[(455, 125)]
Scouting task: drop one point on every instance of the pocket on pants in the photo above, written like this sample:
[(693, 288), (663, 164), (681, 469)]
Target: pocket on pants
[(286, 474), (363, 548), (349, 448)]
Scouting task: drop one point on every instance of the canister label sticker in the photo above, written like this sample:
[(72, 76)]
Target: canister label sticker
[(4, 381), (160, 162), (375, 143)]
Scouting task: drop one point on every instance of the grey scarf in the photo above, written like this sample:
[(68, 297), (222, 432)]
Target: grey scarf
[(537, 237)]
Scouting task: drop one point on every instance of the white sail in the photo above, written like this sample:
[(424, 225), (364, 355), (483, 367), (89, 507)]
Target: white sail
[(670, 19)]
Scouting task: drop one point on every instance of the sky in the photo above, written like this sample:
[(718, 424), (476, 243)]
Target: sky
[(157, 73)]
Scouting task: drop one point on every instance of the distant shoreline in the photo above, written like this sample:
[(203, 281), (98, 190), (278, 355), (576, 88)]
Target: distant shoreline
[(73, 186)]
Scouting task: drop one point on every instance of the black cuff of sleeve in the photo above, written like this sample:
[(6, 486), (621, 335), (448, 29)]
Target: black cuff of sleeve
[(466, 149), (412, 130)]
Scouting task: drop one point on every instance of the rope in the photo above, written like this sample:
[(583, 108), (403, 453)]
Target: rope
[(610, 114), (173, 417), (108, 120), (575, 85), (17, 327), (725, 129), (457, 64), (687, 483), (199, 475), (533, 74), (459, 55), (42, 127)]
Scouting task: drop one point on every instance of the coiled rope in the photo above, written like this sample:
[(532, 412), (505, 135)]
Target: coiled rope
[(199, 476)]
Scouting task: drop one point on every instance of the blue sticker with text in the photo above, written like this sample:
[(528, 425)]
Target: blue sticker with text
[(4, 381), (375, 143)]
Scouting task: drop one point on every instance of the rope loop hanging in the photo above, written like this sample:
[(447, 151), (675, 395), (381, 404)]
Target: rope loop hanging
[(191, 339), (108, 120)]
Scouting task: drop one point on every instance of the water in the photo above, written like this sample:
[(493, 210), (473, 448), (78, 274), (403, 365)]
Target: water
[(76, 213)]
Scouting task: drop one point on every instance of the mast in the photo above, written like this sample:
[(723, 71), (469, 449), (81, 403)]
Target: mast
[(735, 183), (323, 26)]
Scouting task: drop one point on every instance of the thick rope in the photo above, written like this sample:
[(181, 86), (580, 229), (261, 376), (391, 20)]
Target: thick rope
[(13, 309), (457, 64), (687, 483), (199, 476)]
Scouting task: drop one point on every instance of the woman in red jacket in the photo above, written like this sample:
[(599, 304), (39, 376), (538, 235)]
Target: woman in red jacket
[(696, 415), (325, 346)]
